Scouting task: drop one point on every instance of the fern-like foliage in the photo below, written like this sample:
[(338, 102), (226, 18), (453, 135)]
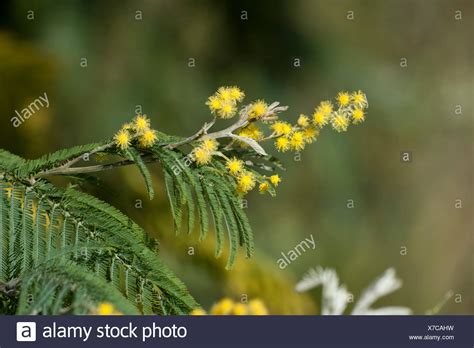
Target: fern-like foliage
[(43, 226), (28, 168), (205, 190), (64, 287)]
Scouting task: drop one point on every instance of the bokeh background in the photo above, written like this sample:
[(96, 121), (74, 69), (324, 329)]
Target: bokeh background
[(138, 53)]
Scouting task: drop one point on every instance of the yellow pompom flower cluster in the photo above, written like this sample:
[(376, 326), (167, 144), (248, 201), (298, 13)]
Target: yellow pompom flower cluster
[(224, 102), (303, 121), (202, 154), (296, 137), (265, 186), (247, 180), (122, 139), (139, 130), (281, 128), (259, 122), (350, 108), (228, 307), (275, 180), (235, 166), (258, 109), (252, 131), (282, 144)]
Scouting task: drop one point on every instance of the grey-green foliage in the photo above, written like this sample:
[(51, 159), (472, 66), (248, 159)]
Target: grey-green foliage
[(70, 250)]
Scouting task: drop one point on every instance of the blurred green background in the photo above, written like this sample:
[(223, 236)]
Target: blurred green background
[(138, 53)]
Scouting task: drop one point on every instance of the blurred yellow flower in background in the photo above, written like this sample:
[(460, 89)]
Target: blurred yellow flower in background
[(106, 308), (227, 306)]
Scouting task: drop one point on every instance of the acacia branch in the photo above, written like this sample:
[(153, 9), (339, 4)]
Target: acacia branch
[(74, 160), (95, 168), (203, 131), (96, 150), (228, 132), (200, 135)]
